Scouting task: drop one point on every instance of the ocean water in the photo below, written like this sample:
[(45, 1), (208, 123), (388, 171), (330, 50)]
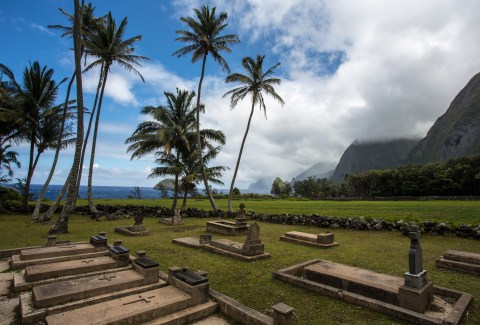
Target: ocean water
[(114, 192)]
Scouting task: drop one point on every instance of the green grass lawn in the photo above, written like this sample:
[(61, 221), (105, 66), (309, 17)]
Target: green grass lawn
[(252, 283), (455, 212)]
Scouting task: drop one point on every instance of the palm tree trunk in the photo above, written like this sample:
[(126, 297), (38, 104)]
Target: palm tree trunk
[(93, 209), (61, 226), (185, 195), (47, 216), (84, 150), (29, 173), (41, 196), (238, 160), (199, 141)]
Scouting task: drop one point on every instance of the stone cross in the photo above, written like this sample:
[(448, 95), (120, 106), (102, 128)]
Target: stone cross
[(87, 261), (108, 278), (241, 213), (415, 256), (141, 298), (253, 235)]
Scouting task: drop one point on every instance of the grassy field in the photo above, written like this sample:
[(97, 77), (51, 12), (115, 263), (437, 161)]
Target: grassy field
[(455, 212), (252, 283)]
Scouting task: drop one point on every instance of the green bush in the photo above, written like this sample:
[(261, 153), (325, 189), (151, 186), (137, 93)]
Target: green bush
[(8, 194)]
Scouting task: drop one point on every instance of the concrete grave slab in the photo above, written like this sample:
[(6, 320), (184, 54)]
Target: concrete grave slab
[(361, 288), (460, 261), (228, 228), (6, 280), (64, 291), (133, 309), (324, 240), (46, 271), (18, 263), (56, 251)]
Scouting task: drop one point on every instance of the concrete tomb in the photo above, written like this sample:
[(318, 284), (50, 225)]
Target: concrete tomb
[(460, 261), (176, 219), (56, 252), (324, 240), (230, 228), (251, 250), (138, 228), (413, 298)]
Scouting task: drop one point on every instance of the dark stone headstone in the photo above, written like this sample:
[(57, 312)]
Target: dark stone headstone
[(190, 277), (146, 263), (415, 255), (98, 241), (118, 249)]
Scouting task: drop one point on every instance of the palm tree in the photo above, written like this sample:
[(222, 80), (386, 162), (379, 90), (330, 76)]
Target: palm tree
[(88, 24), (169, 129), (108, 45), (7, 158), (203, 38), (254, 82), (61, 226), (35, 98)]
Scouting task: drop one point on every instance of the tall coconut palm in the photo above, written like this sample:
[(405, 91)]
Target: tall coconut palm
[(169, 130), (203, 38), (88, 23), (61, 226), (255, 82), (34, 98), (7, 159), (107, 44)]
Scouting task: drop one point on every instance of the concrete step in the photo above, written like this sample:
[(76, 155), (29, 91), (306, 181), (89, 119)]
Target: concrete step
[(458, 266), (187, 315), (133, 309), (18, 263), (55, 251), (51, 270), (461, 256)]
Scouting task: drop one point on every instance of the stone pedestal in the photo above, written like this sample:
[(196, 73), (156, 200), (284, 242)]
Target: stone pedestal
[(138, 228), (251, 250), (51, 240), (241, 221), (416, 299), (283, 314), (326, 238), (205, 239)]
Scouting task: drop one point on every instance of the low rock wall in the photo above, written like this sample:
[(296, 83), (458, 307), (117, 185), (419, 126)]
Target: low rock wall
[(113, 212)]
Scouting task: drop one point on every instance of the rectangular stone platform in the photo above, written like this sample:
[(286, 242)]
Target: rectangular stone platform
[(133, 309), (324, 240), (228, 228), (64, 291), (220, 248), (46, 271), (373, 290), (461, 261), (17, 263), (356, 280), (30, 314), (60, 250)]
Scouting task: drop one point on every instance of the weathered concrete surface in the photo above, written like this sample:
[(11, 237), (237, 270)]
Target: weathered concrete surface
[(65, 291), (55, 251), (212, 320), (228, 245), (7, 310), (6, 280), (134, 309), (21, 284), (188, 315), (46, 271), (461, 261), (4, 265), (302, 238)]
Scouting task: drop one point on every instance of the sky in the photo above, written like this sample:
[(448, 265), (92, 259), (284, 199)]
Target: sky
[(351, 70)]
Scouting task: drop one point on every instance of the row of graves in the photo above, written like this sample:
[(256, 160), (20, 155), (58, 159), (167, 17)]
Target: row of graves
[(412, 297), (99, 283)]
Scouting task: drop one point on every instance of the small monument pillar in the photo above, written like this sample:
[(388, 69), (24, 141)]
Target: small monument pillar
[(253, 245), (177, 217), (51, 240), (417, 291), (241, 220), (283, 314)]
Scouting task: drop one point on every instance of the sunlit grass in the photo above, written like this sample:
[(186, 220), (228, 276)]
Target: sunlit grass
[(252, 283)]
